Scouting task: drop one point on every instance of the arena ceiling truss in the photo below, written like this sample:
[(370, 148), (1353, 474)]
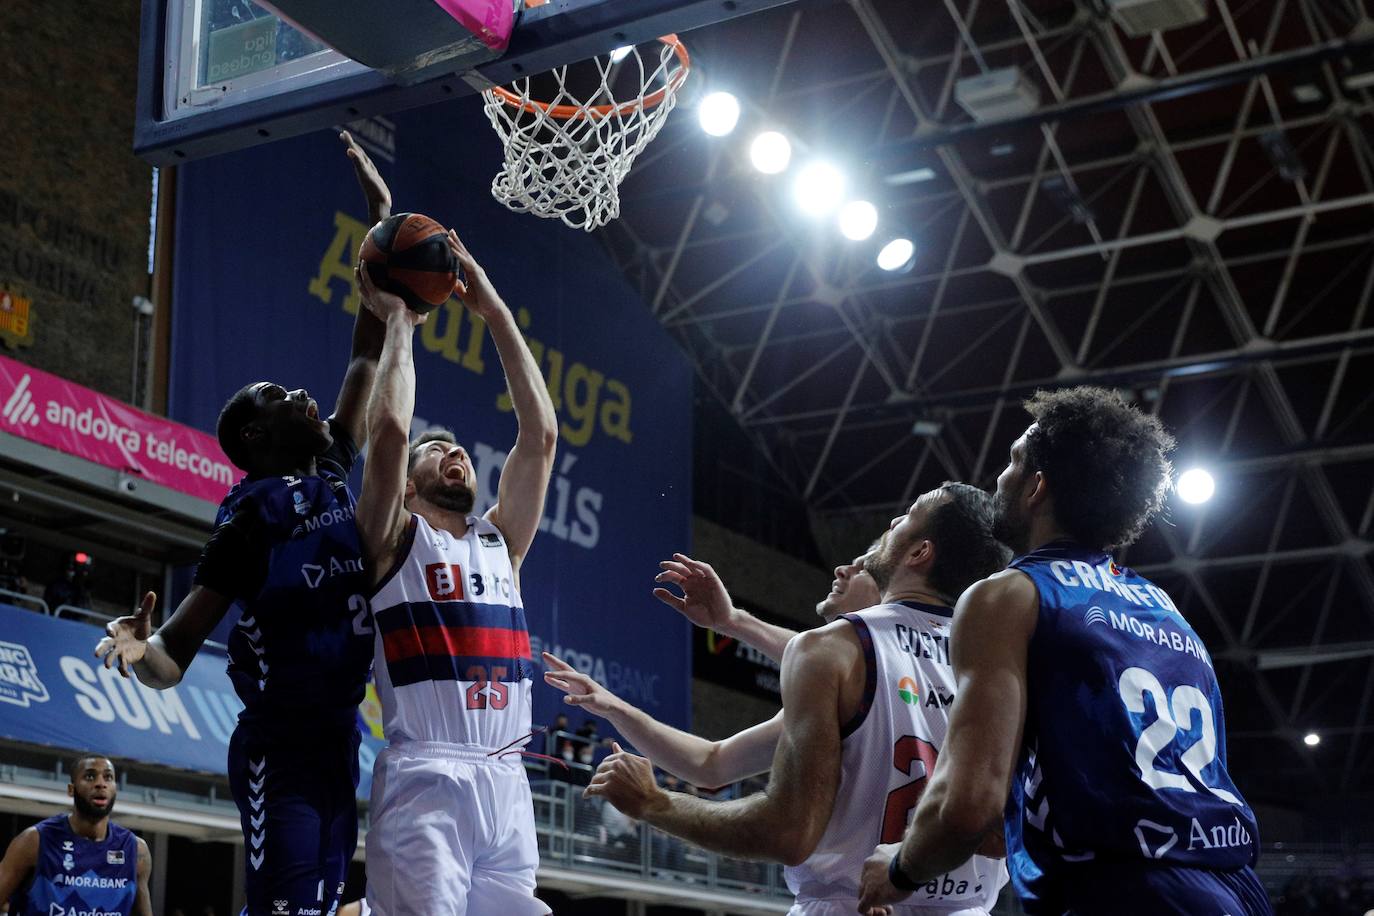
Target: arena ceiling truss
[(1185, 215)]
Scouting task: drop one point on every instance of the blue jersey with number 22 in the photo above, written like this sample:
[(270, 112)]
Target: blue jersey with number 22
[(1124, 753)]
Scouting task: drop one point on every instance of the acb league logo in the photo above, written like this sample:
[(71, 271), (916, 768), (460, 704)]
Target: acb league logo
[(19, 683)]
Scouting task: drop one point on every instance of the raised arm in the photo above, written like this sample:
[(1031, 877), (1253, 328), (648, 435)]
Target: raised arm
[(785, 822), (705, 602), (368, 330), (20, 859), (700, 762), (525, 476), (381, 513), (964, 800)]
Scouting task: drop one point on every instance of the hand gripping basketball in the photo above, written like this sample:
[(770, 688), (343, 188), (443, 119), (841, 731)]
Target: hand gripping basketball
[(126, 638)]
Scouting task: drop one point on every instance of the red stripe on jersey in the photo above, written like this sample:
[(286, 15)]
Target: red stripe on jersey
[(497, 642)]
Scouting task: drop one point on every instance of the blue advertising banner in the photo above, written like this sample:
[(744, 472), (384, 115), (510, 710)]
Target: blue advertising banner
[(266, 243), (55, 693)]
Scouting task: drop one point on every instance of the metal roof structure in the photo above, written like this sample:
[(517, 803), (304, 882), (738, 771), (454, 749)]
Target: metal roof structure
[(1185, 215)]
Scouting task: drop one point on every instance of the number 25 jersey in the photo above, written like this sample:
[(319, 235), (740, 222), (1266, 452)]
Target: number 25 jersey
[(1124, 749), (452, 648)]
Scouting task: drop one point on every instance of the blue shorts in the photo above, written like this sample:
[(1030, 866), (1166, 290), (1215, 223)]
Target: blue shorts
[(1135, 889), (299, 810)]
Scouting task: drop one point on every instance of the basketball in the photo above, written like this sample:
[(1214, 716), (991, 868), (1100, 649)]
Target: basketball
[(408, 254)]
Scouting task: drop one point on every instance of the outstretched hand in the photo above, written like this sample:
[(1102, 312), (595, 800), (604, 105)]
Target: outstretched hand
[(381, 303), (579, 689), (126, 638), (704, 600), (374, 188)]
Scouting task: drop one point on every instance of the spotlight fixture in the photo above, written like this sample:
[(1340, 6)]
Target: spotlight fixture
[(770, 152)]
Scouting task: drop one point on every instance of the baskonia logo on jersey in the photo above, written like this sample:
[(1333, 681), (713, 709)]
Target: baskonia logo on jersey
[(908, 692), (19, 683)]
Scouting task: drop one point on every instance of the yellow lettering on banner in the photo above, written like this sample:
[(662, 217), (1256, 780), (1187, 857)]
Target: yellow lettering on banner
[(449, 317), (338, 262), (472, 359), (574, 387), (582, 410), (615, 415)]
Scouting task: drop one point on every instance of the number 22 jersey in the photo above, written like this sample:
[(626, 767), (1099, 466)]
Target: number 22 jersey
[(1124, 751)]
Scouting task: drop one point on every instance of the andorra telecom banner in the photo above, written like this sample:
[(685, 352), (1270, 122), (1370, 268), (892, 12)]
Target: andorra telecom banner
[(49, 410), (267, 239)]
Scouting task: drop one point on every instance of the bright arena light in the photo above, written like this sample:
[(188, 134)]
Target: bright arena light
[(896, 254), (1196, 486), (858, 220), (1312, 739), (718, 113), (770, 152), (621, 53), (819, 188)]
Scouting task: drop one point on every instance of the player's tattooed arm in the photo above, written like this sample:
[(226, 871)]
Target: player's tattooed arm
[(705, 602), (525, 475), (785, 822), (350, 410), (143, 902), (690, 757), (959, 812), (381, 515), (160, 659), (20, 858)]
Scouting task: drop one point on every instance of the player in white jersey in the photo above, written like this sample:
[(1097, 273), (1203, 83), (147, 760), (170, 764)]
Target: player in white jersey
[(452, 820), (865, 707)]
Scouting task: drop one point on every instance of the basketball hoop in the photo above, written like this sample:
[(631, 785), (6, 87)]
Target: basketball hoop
[(565, 158)]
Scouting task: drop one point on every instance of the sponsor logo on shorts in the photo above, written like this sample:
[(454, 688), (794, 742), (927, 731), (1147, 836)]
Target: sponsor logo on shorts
[(281, 908)]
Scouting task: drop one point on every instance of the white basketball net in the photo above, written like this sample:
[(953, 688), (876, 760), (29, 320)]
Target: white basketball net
[(565, 157)]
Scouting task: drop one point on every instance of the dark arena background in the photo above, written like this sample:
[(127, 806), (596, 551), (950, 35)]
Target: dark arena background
[(770, 352)]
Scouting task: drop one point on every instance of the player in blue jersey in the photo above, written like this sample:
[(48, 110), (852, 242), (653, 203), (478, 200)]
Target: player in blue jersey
[(80, 862), (1089, 714), (285, 549)]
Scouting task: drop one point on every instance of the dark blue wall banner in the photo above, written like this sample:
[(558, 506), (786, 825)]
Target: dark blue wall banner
[(55, 693), (266, 243)]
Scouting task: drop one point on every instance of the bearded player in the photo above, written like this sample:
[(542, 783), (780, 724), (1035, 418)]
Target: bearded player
[(1086, 695), (79, 862), (865, 708), (452, 819)]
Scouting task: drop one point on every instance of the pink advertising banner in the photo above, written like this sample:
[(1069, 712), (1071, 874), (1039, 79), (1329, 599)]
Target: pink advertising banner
[(52, 411)]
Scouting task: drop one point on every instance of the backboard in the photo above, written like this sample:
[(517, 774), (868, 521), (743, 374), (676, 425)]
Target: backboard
[(220, 75)]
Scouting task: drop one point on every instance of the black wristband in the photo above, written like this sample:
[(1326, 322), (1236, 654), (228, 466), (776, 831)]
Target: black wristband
[(898, 877)]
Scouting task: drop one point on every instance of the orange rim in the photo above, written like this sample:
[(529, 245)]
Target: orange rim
[(573, 112)]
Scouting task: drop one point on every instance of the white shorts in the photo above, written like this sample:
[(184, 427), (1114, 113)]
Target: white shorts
[(452, 832)]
